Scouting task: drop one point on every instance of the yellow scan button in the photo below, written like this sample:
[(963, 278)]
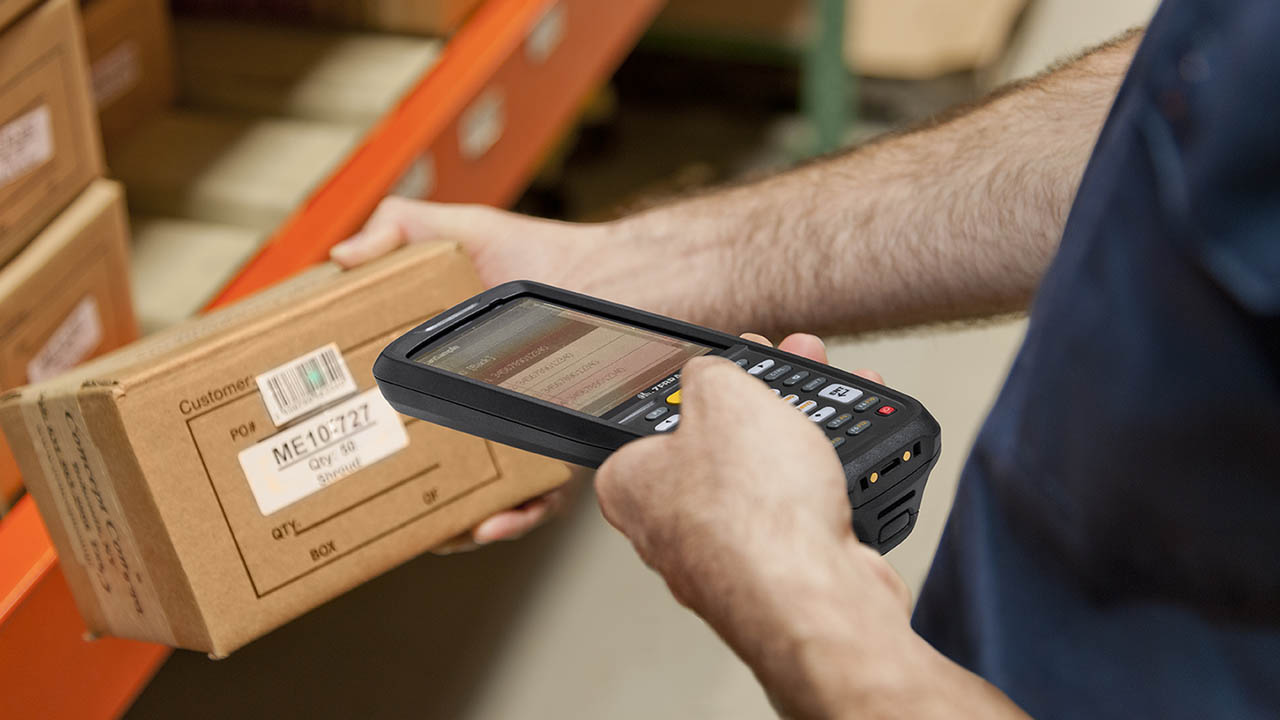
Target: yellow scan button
[(674, 398)]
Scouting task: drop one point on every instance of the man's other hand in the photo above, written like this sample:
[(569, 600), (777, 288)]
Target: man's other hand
[(503, 246)]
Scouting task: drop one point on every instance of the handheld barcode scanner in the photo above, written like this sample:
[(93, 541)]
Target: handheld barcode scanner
[(575, 378)]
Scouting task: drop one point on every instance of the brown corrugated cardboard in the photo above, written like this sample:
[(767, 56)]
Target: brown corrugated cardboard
[(184, 513), (233, 170), (907, 39), (304, 73), (786, 22), (927, 38), (179, 265), (423, 17), (65, 298), (130, 45), (10, 9), (49, 143), (428, 17)]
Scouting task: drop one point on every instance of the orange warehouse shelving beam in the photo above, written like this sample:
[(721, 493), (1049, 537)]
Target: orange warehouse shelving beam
[(47, 670)]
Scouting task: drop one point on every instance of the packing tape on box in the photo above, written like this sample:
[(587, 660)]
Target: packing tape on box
[(90, 512)]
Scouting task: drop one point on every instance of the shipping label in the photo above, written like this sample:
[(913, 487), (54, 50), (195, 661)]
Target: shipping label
[(116, 73), (321, 450)]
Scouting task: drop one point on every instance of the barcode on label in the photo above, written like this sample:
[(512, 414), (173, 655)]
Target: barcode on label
[(306, 383)]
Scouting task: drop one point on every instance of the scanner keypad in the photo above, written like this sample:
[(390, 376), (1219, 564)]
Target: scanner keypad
[(834, 406), (831, 405)]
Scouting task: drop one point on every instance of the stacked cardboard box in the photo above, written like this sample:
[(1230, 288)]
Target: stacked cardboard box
[(266, 114), (243, 468), (251, 172), (64, 289), (179, 265), (49, 144), (308, 74), (899, 39), (784, 22), (10, 9), (424, 17), (130, 44), (207, 190)]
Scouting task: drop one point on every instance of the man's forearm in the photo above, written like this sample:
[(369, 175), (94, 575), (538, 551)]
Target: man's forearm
[(830, 638), (955, 220)]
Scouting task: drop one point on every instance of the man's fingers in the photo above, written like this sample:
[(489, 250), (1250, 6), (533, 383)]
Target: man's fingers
[(811, 347), (458, 544), (375, 240), (399, 220), (710, 376), (871, 375), (802, 344), (806, 346), (512, 524)]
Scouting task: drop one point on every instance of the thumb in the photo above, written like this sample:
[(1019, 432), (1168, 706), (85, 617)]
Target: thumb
[(374, 241), (705, 384), (806, 346)]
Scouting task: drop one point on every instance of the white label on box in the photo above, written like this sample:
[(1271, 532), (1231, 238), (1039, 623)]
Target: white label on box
[(75, 339), (482, 124), (116, 73), (26, 143), (305, 384), (316, 453), (546, 34)]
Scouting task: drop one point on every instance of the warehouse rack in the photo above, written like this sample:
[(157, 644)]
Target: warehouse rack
[(474, 129)]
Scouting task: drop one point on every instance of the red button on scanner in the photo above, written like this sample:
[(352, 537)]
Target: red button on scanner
[(887, 410)]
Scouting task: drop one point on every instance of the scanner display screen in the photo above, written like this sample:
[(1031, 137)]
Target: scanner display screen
[(580, 361)]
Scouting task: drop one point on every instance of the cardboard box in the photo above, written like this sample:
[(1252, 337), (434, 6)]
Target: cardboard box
[(304, 73), (10, 9), (179, 265), (782, 22), (223, 169), (901, 39), (65, 298), (130, 44), (49, 143), (917, 39), (189, 508), (423, 17)]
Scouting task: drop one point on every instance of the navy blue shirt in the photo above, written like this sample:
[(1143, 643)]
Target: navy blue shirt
[(1114, 548)]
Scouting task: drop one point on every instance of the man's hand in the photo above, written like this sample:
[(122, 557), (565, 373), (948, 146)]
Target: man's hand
[(503, 246), (744, 511), (742, 469)]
